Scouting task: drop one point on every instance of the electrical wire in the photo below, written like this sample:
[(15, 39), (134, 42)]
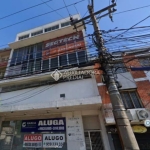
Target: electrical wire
[(76, 9), (28, 97), (131, 10), (22, 10), (18, 95), (67, 8), (53, 10), (129, 28), (40, 15)]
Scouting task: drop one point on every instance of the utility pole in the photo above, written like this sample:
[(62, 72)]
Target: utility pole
[(122, 122)]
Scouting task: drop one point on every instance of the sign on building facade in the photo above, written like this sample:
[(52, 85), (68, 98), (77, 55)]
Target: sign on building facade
[(42, 125)]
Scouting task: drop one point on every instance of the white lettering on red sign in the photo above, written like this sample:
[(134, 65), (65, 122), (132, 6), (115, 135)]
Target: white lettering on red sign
[(32, 137)]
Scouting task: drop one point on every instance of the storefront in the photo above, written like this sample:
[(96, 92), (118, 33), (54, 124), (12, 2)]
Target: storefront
[(42, 134), (143, 138)]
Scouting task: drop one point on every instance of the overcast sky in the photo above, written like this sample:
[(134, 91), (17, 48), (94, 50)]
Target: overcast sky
[(123, 20)]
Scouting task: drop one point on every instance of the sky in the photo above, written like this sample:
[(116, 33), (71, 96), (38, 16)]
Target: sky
[(123, 20)]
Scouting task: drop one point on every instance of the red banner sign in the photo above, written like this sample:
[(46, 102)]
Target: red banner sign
[(32, 140), (64, 44)]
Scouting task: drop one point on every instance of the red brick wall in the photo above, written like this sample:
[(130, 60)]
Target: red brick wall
[(143, 88), (134, 63), (102, 89)]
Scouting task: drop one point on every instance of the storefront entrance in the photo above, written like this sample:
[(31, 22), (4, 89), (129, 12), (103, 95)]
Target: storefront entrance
[(93, 140), (15, 135), (143, 139)]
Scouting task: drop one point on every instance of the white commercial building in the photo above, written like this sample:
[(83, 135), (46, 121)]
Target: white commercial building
[(42, 105)]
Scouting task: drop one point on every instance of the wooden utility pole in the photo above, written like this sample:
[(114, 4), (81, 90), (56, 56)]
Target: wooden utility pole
[(122, 122)]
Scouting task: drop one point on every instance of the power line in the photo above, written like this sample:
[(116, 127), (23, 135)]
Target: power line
[(18, 95), (76, 9), (129, 28), (131, 9), (23, 10), (23, 99), (40, 15), (66, 7), (53, 9)]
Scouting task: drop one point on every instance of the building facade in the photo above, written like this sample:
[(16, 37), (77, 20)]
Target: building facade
[(51, 98), (134, 93), (4, 58), (44, 103)]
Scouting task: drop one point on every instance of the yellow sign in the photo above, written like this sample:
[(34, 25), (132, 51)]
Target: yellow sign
[(139, 129)]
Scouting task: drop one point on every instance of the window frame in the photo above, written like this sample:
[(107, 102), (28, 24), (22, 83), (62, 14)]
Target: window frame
[(121, 68), (131, 99)]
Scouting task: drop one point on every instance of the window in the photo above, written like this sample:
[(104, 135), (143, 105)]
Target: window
[(65, 24), (23, 37), (93, 140), (63, 60), (72, 58), (45, 65), (119, 68), (37, 33), (52, 28), (130, 99), (54, 63), (82, 56), (145, 62)]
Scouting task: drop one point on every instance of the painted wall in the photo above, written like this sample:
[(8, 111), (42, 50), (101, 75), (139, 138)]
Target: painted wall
[(76, 93)]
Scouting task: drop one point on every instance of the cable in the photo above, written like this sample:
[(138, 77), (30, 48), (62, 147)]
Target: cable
[(76, 9), (85, 14), (132, 9), (23, 10), (39, 15), (23, 99), (18, 95), (129, 28), (66, 8), (53, 10)]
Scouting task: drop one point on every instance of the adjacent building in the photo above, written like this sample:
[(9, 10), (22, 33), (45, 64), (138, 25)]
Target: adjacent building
[(128, 70)]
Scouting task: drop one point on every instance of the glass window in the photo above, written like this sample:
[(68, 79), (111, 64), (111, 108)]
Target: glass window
[(65, 24), (31, 53), (45, 65), (120, 68), (23, 37), (72, 58), (52, 28), (37, 33), (24, 68), (19, 56), (82, 56), (39, 51), (14, 57), (130, 99), (63, 60), (38, 65), (25, 54), (54, 63), (31, 67), (145, 62)]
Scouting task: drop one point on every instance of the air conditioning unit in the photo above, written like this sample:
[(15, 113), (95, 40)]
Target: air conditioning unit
[(143, 114), (139, 114)]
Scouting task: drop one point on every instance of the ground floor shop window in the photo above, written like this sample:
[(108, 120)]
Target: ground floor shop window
[(143, 139), (12, 138), (93, 140)]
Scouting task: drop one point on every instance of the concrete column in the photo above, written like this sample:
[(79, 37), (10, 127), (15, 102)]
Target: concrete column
[(104, 132), (74, 131), (1, 120), (9, 61)]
